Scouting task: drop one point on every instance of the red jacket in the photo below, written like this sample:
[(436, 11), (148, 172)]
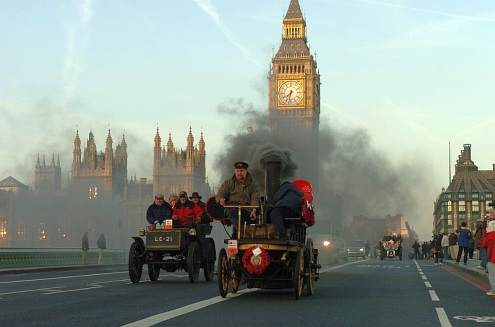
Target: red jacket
[(186, 212), (488, 241)]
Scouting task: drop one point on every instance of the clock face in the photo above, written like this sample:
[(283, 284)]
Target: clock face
[(290, 93)]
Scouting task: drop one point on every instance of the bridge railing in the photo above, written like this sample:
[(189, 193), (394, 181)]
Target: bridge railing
[(46, 257)]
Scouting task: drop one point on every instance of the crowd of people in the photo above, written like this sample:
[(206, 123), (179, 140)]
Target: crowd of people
[(462, 244)]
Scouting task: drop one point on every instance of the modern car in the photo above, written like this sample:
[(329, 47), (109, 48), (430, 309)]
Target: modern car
[(355, 248)]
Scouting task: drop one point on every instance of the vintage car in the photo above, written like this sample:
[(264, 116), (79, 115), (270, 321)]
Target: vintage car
[(171, 249), (258, 257), (390, 249)]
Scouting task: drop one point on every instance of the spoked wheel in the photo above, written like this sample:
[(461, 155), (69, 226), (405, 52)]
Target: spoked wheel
[(209, 263), (309, 263), (193, 261), (235, 279), (153, 271), (135, 268), (298, 276), (223, 273)]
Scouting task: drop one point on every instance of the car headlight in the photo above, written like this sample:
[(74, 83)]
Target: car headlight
[(326, 243)]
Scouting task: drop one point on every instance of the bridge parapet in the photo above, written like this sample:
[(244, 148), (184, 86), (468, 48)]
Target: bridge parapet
[(46, 257)]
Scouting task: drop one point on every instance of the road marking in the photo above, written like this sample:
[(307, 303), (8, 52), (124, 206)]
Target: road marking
[(153, 320), (476, 318), (442, 316), (73, 290), (424, 277), (427, 284), (33, 290), (434, 296)]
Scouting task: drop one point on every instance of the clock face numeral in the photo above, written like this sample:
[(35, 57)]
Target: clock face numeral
[(290, 93)]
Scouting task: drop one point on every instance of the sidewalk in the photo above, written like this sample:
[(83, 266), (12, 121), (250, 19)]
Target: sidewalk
[(470, 267)]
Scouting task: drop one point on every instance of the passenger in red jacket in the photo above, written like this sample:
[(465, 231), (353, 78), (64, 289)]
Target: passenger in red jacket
[(186, 212), (488, 241)]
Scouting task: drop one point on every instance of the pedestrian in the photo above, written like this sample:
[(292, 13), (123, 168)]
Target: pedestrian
[(471, 247), (416, 247), (240, 189), (437, 245), (85, 247), (102, 245), (367, 248), (445, 246), (478, 234), (488, 242), (465, 236), (424, 250), (453, 247)]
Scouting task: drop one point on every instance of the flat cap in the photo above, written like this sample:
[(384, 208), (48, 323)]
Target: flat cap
[(183, 194), (241, 164), (159, 196)]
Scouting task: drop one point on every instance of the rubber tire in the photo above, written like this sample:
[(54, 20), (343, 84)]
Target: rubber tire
[(209, 263), (153, 271), (135, 269), (193, 261)]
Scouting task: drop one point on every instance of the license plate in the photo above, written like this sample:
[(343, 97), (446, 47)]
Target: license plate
[(163, 239)]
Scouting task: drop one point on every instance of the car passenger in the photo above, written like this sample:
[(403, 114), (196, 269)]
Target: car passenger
[(196, 198), (287, 202), (158, 211), (186, 212)]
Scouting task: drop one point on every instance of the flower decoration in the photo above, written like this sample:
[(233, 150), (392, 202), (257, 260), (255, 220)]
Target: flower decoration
[(256, 260)]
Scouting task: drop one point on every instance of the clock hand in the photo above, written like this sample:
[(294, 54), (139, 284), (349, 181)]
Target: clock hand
[(288, 97)]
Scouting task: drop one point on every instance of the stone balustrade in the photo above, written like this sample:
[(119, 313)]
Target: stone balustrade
[(46, 257)]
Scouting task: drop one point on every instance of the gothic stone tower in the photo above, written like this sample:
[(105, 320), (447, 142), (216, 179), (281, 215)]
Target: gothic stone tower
[(294, 95), (99, 174), (176, 170), (48, 178)]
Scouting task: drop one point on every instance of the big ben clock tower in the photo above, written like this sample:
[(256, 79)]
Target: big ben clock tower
[(294, 95)]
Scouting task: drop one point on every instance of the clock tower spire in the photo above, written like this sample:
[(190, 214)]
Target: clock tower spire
[(294, 95)]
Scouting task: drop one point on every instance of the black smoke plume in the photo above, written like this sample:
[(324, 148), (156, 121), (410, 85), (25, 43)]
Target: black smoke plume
[(368, 182)]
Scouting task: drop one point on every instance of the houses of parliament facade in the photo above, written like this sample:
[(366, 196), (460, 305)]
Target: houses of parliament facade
[(102, 198), (99, 198)]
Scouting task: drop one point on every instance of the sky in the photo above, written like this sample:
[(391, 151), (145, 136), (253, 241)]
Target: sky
[(406, 80)]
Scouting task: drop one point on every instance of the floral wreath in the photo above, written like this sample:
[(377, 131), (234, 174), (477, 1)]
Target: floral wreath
[(256, 260)]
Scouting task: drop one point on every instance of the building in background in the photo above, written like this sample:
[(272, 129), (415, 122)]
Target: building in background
[(467, 197), (99, 197), (176, 170), (48, 178), (294, 96)]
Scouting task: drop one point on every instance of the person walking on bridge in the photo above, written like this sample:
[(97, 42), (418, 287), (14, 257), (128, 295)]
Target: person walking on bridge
[(85, 247)]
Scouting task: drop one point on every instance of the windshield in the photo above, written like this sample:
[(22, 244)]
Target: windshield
[(354, 243)]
